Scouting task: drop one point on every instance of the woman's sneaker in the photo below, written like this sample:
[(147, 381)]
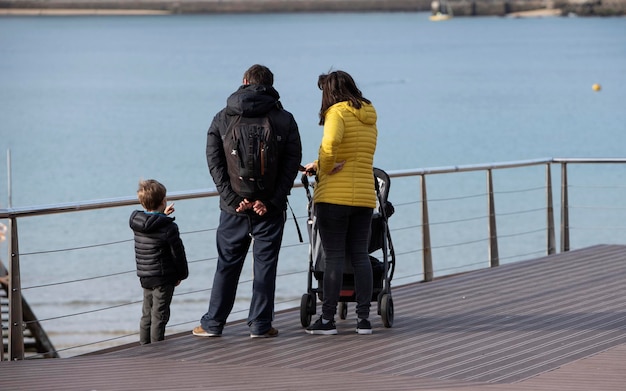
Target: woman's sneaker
[(363, 326), (322, 329)]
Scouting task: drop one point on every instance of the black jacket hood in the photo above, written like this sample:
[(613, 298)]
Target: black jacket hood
[(148, 222), (252, 100)]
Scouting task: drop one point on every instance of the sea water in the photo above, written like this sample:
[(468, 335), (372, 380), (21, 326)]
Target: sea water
[(90, 105)]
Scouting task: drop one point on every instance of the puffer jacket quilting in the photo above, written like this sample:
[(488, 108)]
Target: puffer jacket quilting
[(350, 135), (159, 251)]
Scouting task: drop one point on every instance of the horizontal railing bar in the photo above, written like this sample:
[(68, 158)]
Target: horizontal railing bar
[(202, 193), (589, 160), (469, 167), (97, 204), (103, 203)]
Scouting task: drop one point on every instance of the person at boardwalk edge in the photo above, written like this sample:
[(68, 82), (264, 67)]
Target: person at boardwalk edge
[(344, 196), (160, 257), (252, 206)]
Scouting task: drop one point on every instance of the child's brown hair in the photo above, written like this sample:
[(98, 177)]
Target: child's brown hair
[(151, 194)]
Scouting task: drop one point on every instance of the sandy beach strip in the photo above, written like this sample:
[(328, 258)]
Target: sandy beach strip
[(540, 13)]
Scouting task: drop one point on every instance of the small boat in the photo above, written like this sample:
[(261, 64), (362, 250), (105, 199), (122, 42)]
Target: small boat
[(436, 17), (440, 10)]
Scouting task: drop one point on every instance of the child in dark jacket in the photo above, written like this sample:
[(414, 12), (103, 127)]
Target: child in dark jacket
[(160, 257)]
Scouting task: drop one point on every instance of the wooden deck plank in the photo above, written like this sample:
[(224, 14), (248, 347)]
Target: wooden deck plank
[(552, 323)]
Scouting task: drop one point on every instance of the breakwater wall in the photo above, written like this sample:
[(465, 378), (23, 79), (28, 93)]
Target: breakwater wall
[(459, 7)]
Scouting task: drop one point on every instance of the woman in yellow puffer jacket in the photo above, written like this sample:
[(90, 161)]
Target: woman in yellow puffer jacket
[(344, 195)]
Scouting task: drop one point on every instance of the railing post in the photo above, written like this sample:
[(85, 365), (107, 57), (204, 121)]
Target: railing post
[(3, 274), (427, 257), (564, 210), (16, 328), (550, 211), (494, 259)]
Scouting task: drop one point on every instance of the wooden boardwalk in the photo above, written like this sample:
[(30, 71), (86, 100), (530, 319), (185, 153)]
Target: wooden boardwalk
[(553, 323)]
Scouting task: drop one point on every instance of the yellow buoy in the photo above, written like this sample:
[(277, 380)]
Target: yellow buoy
[(596, 87)]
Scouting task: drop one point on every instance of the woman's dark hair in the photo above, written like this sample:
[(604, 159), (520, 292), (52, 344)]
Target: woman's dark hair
[(259, 74), (338, 86)]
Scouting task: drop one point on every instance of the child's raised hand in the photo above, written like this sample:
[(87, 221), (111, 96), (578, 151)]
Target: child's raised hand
[(169, 209)]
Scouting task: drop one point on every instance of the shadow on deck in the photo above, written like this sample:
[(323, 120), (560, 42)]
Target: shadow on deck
[(553, 323)]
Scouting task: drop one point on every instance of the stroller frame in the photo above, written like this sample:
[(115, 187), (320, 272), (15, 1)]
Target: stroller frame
[(380, 239)]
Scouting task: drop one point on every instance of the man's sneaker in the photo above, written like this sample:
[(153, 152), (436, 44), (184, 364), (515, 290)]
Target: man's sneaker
[(272, 332), (200, 332), (323, 329), (363, 326)]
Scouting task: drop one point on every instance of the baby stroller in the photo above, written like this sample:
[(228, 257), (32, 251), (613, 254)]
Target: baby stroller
[(382, 271)]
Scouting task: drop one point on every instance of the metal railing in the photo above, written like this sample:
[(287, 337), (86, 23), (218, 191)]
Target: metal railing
[(425, 226)]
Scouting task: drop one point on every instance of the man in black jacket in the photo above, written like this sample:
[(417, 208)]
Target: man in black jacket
[(259, 216)]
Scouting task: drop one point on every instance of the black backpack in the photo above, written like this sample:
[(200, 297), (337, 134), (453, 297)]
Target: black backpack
[(251, 153)]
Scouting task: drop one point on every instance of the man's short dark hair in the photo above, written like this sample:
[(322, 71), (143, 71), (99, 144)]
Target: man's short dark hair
[(259, 74)]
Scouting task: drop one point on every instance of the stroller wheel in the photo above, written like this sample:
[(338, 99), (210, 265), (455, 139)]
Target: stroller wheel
[(342, 309), (386, 310), (307, 309)]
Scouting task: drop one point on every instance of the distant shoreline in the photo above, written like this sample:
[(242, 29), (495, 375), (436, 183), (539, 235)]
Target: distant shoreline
[(78, 12), (210, 6), (515, 8)]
